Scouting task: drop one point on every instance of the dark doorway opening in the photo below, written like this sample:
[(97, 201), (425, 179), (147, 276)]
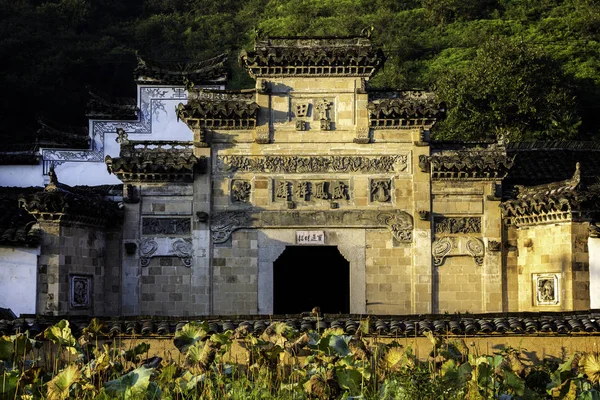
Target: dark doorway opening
[(311, 276)]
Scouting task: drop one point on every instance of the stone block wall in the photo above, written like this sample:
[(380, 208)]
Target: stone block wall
[(465, 281), (71, 270), (388, 274), (235, 275), (549, 250), (166, 288), (459, 286)]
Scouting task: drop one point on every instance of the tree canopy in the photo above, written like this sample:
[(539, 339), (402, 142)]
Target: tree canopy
[(518, 69)]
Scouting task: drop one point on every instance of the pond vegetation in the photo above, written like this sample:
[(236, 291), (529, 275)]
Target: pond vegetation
[(281, 363)]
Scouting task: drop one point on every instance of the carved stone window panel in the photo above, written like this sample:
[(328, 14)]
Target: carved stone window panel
[(166, 226), (240, 191), (448, 246), (80, 293), (456, 225), (546, 288), (380, 190), (165, 247)]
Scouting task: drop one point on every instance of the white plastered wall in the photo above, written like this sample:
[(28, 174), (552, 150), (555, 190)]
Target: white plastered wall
[(594, 249), (18, 279)]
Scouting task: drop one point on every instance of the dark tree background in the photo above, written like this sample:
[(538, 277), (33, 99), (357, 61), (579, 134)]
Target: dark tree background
[(522, 70)]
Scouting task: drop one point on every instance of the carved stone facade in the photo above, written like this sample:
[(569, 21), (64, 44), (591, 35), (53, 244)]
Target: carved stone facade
[(312, 156)]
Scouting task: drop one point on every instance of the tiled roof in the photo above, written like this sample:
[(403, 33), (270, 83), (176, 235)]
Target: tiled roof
[(396, 326), (100, 106), (59, 202), (403, 109), (219, 109), (20, 154), (17, 226), (211, 71), (153, 161), (536, 163), (54, 136), (299, 56)]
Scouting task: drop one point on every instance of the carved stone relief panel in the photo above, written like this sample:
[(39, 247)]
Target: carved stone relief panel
[(81, 291), (547, 289), (263, 134), (312, 164), (166, 226), (240, 191), (362, 136), (324, 109), (447, 246), (319, 110), (457, 225), (381, 190), (162, 246), (398, 222), (310, 190)]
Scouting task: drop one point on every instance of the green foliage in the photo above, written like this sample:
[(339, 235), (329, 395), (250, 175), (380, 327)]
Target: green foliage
[(332, 365), (509, 91)]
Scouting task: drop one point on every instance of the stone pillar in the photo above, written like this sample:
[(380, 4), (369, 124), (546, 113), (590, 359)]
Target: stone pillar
[(48, 269), (131, 273), (422, 301), (201, 268), (491, 274)]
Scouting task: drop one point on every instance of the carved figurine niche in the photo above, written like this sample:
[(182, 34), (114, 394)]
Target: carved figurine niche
[(381, 190), (240, 191)]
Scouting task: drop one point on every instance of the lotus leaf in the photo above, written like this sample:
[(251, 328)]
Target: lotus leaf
[(59, 386), (189, 334), (61, 335), (7, 348), (8, 384), (131, 385), (132, 354)]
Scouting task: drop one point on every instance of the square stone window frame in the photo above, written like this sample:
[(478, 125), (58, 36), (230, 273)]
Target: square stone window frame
[(555, 277), (89, 280)]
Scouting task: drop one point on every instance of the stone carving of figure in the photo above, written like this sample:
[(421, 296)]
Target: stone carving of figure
[(80, 296), (546, 290), (380, 190)]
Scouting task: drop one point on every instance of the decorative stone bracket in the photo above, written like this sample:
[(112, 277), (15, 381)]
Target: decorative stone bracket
[(224, 223), (457, 246), (166, 247)]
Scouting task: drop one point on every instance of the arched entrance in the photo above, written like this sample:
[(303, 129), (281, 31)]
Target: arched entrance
[(309, 276)]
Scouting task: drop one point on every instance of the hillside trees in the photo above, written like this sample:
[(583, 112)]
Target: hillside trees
[(541, 81), (509, 91)]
